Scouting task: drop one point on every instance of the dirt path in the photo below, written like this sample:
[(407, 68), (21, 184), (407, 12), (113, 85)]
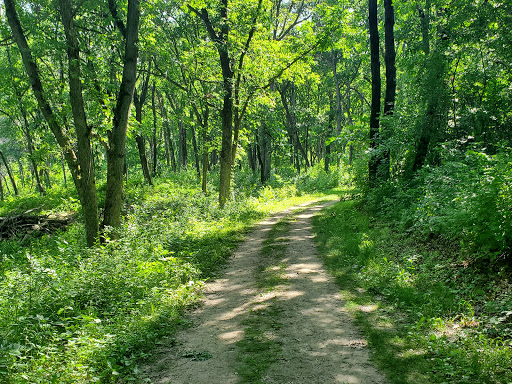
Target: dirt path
[(312, 341)]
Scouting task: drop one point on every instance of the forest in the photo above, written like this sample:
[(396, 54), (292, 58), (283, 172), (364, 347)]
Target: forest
[(141, 140)]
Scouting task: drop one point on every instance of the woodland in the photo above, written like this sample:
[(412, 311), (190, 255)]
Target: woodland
[(140, 140)]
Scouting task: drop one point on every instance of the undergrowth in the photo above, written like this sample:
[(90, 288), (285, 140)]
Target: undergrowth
[(69, 314), (429, 316)]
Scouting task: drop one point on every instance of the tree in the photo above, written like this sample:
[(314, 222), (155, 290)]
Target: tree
[(389, 99), (79, 161), (376, 90)]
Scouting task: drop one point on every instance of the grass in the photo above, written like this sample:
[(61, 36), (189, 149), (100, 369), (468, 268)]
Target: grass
[(260, 347), (69, 314), (427, 318)]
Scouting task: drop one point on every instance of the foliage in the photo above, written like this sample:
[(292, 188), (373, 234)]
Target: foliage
[(465, 201), (428, 318), (70, 314)]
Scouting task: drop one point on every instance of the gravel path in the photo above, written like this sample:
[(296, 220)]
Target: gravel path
[(318, 342)]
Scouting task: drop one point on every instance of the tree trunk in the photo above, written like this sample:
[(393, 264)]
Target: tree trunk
[(206, 115), (327, 159), (264, 153), (22, 173), (116, 153), (168, 138), (376, 90), (9, 172), (139, 138), (87, 190), (194, 145), (291, 121), (165, 130), (154, 142), (389, 100), (220, 38), (339, 112), (252, 157), (63, 169), (434, 92), (26, 131), (182, 145), (5, 183), (1, 189)]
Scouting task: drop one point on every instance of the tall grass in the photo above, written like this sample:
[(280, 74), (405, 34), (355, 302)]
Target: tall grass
[(69, 314)]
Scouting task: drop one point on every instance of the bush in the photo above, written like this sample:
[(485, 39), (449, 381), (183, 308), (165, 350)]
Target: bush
[(466, 200)]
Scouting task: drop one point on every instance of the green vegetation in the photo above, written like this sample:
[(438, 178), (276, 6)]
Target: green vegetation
[(72, 314), (112, 111), (434, 310), (259, 347)]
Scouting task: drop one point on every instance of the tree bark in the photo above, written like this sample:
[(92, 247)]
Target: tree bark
[(206, 116), (291, 120), (389, 99), (138, 101), (154, 143), (9, 172), (327, 158), (376, 90), (264, 153), (26, 130), (196, 151), (339, 112), (116, 152), (63, 140), (83, 133), (171, 158), (221, 41), (182, 145)]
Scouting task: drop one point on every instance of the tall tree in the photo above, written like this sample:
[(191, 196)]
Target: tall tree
[(79, 162), (116, 152), (139, 98), (389, 99), (77, 147), (376, 91)]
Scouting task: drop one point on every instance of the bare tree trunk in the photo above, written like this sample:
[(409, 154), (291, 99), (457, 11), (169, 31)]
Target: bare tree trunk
[(252, 156), (339, 112), (376, 90), (63, 169), (182, 145), (327, 159), (22, 173), (154, 142), (139, 139), (291, 120), (116, 153), (264, 153), (194, 145), (5, 183), (389, 100), (165, 129), (11, 176), (206, 115)]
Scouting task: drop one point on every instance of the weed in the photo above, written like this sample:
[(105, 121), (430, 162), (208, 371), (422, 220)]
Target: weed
[(426, 318)]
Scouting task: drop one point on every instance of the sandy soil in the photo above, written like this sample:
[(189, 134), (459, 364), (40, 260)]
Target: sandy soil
[(319, 343)]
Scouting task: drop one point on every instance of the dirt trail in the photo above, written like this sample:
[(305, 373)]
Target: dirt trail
[(318, 342)]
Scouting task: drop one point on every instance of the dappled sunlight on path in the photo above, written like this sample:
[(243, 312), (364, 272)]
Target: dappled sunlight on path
[(318, 343)]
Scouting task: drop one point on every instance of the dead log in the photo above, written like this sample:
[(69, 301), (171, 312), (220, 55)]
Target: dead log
[(27, 225)]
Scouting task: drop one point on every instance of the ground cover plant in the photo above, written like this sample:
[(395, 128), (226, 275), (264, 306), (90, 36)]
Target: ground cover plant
[(72, 314), (431, 313)]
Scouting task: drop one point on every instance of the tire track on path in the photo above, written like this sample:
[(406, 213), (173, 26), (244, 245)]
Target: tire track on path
[(318, 342)]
